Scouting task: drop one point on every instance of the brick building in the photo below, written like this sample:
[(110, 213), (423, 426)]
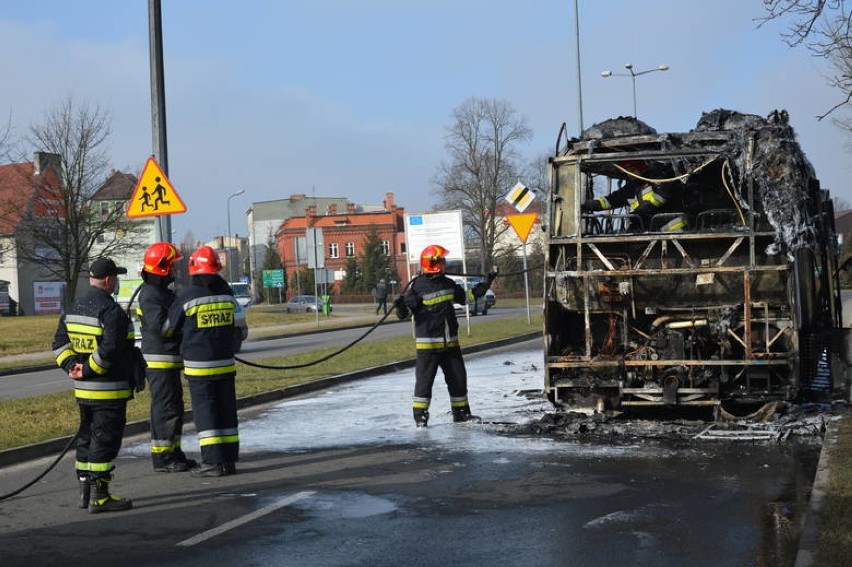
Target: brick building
[(343, 233)]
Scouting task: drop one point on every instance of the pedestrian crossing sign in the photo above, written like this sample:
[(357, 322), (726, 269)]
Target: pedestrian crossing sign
[(154, 194)]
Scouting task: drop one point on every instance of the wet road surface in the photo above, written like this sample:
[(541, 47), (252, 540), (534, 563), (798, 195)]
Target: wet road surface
[(343, 478)]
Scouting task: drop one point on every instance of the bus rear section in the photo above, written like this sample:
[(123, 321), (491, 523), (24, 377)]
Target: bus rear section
[(738, 304)]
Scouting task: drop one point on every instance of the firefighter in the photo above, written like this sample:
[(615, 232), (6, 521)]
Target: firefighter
[(203, 314), (643, 199), (163, 358), (94, 345), (430, 298)]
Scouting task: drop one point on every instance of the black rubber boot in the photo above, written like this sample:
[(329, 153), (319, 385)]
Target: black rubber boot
[(209, 470), (462, 414), (102, 501), (421, 417), (85, 484)]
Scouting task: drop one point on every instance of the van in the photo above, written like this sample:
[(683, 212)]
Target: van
[(242, 293)]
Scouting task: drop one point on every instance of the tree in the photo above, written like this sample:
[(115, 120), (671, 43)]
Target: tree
[(484, 163), (374, 261), (271, 261), (824, 27), (353, 281), (62, 228)]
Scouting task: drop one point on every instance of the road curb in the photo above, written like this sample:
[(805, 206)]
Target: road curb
[(17, 455), (809, 538)]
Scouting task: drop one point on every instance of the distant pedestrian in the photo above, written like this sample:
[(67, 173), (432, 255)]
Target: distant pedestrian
[(381, 293), (94, 345), (163, 358), (203, 315)]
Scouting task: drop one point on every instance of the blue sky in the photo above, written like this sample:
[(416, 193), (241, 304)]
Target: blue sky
[(353, 97)]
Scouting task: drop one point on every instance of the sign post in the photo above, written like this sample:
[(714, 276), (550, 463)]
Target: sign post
[(520, 198)]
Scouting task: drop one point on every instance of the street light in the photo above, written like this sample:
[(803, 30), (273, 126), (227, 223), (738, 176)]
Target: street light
[(227, 247), (633, 74)]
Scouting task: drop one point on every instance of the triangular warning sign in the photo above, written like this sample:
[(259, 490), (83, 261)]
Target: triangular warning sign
[(522, 224), (154, 194)]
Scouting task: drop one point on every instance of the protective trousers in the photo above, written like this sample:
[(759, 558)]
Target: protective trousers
[(167, 411), (214, 408), (99, 437), (455, 375)]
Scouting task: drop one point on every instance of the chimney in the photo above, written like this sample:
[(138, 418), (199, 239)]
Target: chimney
[(389, 204), (297, 196), (310, 213), (332, 209), (350, 208), (44, 160)]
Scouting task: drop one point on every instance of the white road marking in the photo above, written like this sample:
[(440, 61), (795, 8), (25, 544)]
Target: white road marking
[(204, 536)]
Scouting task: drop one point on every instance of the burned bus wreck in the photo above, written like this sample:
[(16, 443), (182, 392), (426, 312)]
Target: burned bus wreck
[(688, 269)]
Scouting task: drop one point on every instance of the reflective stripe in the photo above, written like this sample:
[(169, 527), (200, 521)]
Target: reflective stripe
[(63, 353), (101, 362), (97, 368), (160, 446), (674, 225), (218, 436), (650, 196), (102, 395), (101, 467), (436, 346), (163, 361), (438, 296), (209, 367), (421, 403), (219, 440), (604, 203)]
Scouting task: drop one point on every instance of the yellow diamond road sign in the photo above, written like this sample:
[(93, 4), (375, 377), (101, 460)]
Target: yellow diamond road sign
[(154, 194), (520, 196)]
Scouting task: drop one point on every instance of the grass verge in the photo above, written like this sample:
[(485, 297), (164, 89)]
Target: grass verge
[(31, 420), (835, 540)]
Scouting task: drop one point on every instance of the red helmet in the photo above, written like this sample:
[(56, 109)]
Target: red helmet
[(159, 258), (433, 259), (204, 261)]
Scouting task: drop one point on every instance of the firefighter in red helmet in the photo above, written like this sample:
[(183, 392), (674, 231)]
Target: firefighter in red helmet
[(203, 315), (430, 299), (163, 358)]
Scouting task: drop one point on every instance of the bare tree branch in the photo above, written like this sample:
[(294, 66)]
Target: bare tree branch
[(62, 227), (824, 27), (484, 163)]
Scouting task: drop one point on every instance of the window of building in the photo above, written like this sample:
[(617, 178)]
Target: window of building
[(350, 249), (385, 247), (333, 252), (119, 207), (402, 249), (104, 208)]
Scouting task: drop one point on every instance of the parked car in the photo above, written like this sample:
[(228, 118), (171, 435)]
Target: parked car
[(482, 303), (304, 304), (240, 328)]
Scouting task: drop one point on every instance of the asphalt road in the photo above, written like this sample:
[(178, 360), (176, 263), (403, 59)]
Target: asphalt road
[(342, 478), (52, 379)]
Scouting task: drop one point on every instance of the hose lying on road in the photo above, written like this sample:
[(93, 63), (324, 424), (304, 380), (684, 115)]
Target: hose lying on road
[(41, 476)]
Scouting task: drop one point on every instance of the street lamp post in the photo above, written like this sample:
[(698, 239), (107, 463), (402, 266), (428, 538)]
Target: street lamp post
[(227, 246), (633, 74)]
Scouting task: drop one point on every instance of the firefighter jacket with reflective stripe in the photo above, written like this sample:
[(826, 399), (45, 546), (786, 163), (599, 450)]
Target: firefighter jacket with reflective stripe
[(203, 315), (430, 298), (155, 299), (96, 332)]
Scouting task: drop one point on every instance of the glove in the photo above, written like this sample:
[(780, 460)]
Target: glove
[(591, 206), (401, 307), (480, 289)]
